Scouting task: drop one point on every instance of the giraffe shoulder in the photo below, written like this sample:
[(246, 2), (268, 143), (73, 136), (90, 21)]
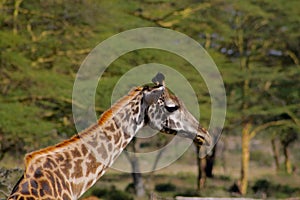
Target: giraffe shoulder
[(31, 158)]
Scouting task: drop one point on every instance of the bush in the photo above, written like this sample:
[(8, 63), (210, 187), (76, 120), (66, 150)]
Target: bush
[(262, 185), (274, 190), (188, 193), (130, 188), (100, 192), (111, 194), (165, 187)]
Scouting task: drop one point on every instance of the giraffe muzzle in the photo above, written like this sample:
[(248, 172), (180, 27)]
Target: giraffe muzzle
[(203, 137)]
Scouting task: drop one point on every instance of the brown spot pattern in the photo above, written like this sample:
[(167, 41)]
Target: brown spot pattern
[(77, 168), (110, 127), (102, 151), (92, 165), (117, 136), (75, 153)]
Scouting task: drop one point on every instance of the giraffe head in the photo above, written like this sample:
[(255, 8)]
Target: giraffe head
[(168, 114)]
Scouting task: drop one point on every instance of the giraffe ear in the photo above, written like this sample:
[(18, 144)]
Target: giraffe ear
[(152, 94), (159, 79)]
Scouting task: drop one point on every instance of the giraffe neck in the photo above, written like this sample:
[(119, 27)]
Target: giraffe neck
[(115, 129), (76, 164)]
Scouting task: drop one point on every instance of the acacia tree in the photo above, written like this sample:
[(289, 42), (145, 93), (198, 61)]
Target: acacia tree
[(38, 50), (250, 35), (138, 182), (275, 151), (287, 137), (253, 41), (244, 36), (255, 44)]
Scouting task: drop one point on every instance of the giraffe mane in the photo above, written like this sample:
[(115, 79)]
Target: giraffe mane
[(118, 105), (32, 155), (103, 118)]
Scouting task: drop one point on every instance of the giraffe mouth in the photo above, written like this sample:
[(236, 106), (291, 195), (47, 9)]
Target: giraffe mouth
[(203, 137), (200, 138), (168, 131)]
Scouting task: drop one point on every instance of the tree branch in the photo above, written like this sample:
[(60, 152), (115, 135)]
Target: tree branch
[(294, 117), (267, 125), (182, 12), (15, 16), (64, 99), (294, 57), (67, 53), (33, 12), (6, 194)]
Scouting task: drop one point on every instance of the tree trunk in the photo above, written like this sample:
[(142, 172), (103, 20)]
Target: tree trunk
[(287, 162), (201, 163), (198, 167), (245, 158), (134, 162), (138, 184), (222, 149), (137, 177), (210, 161), (157, 158), (275, 153), (207, 40), (15, 16)]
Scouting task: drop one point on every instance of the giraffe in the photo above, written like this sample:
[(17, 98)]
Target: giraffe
[(65, 171)]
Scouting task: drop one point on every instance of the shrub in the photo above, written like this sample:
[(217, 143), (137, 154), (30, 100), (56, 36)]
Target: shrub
[(111, 194), (262, 185), (165, 187), (100, 192), (118, 194), (274, 190), (188, 193), (130, 188)]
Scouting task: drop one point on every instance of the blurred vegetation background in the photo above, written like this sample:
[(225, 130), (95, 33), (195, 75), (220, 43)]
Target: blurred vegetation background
[(255, 44)]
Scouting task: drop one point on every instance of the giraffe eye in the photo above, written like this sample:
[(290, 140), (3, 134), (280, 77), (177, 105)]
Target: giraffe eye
[(171, 108)]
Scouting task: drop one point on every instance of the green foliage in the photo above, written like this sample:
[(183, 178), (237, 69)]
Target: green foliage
[(165, 187), (130, 188), (42, 48), (41, 56), (188, 193), (288, 136), (274, 190), (112, 194), (12, 118), (10, 40)]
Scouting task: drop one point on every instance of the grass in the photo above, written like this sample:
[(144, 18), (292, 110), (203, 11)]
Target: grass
[(181, 175), (171, 184)]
